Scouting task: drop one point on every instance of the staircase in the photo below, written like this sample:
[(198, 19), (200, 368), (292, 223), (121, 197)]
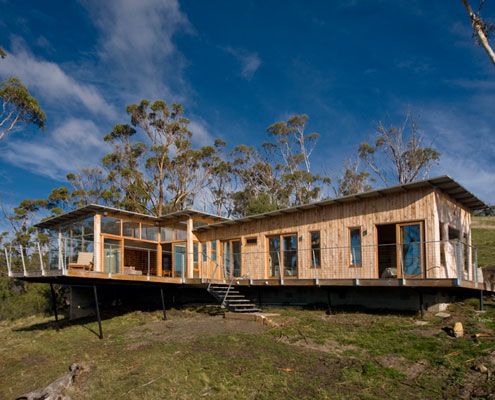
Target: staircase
[(235, 301)]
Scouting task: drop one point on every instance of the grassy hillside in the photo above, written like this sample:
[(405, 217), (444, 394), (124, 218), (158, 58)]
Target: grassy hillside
[(309, 355), (483, 236)]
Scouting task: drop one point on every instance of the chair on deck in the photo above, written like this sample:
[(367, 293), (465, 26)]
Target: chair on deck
[(84, 261)]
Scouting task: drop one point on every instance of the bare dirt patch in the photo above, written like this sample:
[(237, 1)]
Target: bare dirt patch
[(184, 329), (410, 370)]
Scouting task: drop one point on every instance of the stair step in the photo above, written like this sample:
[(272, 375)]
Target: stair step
[(225, 292), (244, 305), (238, 300), (249, 310)]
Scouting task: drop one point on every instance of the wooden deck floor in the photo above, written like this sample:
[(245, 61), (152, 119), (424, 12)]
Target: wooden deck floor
[(79, 276)]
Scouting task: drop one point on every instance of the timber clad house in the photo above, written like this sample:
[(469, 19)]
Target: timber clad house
[(414, 235)]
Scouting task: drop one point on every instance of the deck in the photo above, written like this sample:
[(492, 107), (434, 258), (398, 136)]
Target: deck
[(78, 277)]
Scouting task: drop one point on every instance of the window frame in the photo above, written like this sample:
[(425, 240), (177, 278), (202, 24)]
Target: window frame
[(313, 265), (351, 264), (247, 239)]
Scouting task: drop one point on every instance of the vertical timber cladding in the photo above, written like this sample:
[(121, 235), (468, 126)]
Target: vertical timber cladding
[(448, 213), (333, 221)]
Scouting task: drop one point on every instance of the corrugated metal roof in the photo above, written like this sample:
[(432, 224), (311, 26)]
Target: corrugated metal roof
[(444, 183), (97, 208)]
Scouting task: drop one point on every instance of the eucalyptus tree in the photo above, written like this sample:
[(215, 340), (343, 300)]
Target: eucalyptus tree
[(259, 187), (154, 166), (123, 168), (398, 154), (18, 107), (91, 186), (482, 29), (292, 149), (353, 180)]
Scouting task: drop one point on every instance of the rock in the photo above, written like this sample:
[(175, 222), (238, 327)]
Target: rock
[(481, 368), (458, 330), (442, 315), (421, 323)]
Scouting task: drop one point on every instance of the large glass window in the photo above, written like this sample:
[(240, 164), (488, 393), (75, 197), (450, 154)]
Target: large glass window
[(111, 256), (180, 234), (110, 225), (274, 256), (130, 229), (315, 249), (355, 234), (149, 232), (214, 250), (204, 252), (290, 255), (166, 234)]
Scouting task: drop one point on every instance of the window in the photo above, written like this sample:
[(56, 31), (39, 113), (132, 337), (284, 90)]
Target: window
[(443, 260), (454, 234), (130, 229), (149, 232), (180, 234), (251, 241), (204, 252), (166, 234), (315, 249), (110, 225), (195, 253), (355, 236), (214, 250)]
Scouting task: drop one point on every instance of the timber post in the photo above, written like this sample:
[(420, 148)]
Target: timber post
[(163, 305), (98, 316), (54, 303)]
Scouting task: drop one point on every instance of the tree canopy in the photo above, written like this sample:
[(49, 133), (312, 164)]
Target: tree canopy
[(18, 107)]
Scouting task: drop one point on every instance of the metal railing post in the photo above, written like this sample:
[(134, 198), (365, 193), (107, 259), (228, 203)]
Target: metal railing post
[(22, 259), (182, 267), (41, 259), (458, 261), (149, 264), (475, 264), (60, 261), (7, 259)]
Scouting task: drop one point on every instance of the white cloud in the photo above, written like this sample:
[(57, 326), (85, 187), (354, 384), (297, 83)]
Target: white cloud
[(474, 84), (250, 61), (136, 45), (51, 83), (75, 144), (467, 144), (201, 134)]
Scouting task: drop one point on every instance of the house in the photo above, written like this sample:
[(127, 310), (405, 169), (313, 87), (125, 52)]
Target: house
[(410, 237)]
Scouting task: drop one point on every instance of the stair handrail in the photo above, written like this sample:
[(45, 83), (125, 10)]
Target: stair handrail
[(224, 301), (212, 275)]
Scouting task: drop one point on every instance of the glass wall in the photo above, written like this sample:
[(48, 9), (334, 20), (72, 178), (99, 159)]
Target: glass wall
[(171, 234), (110, 225), (111, 256), (130, 229), (149, 232)]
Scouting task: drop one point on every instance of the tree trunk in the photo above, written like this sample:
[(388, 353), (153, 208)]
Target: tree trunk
[(477, 24)]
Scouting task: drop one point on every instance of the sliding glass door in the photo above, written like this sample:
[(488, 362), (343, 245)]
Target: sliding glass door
[(411, 250), (232, 257), (282, 252), (112, 255)]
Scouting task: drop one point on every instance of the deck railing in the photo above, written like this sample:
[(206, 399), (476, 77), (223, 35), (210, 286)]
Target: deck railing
[(420, 260), (415, 260)]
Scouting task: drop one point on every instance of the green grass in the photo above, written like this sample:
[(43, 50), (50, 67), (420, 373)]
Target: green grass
[(483, 236), (195, 355)]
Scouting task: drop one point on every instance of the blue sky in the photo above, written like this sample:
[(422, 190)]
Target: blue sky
[(239, 66)]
